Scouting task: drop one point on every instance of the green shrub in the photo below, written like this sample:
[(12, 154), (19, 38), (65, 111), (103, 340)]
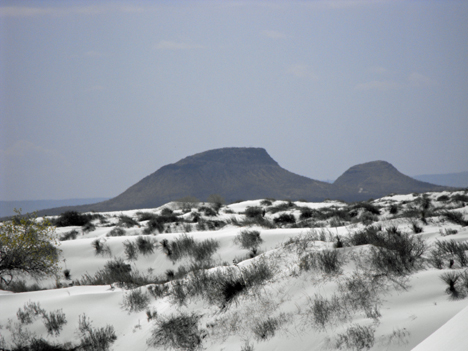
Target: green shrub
[(393, 209), (166, 211), (178, 332), (367, 207), (248, 239)]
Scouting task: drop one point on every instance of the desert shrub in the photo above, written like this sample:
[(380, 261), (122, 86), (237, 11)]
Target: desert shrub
[(397, 253), (306, 213), (40, 344), (89, 227), (158, 290), (72, 218), (452, 249), (207, 211), (178, 332), (247, 347), (126, 221), (285, 206), (451, 278), (117, 271), (368, 235), (285, 219), (357, 337), (30, 312), (323, 311), (135, 301), (54, 322), (71, 235), (187, 246), (145, 216), (166, 211), (92, 339), (443, 198), (367, 207), (253, 212), (328, 261), (266, 329), (368, 218), (145, 245), (19, 285), (455, 217), (266, 202), (100, 247), (459, 198), (117, 231), (154, 224), (393, 209), (66, 274), (416, 228), (249, 239), (130, 250), (251, 221), (257, 273)]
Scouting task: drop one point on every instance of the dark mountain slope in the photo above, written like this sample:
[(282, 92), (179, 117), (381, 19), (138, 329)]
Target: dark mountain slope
[(233, 173), (250, 173), (379, 178)]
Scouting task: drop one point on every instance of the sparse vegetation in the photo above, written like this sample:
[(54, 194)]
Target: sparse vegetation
[(177, 332)]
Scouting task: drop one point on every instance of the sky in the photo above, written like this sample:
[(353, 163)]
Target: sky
[(96, 95)]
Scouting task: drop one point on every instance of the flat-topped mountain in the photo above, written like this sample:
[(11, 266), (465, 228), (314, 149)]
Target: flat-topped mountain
[(250, 173)]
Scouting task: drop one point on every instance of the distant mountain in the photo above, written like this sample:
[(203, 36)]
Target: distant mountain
[(458, 180), (26, 206), (250, 173), (379, 178)]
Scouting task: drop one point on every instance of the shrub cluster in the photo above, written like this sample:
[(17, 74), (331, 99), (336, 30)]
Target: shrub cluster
[(249, 239), (177, 332), (186, 246)]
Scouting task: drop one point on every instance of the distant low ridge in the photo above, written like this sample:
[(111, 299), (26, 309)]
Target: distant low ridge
[(250, 173)]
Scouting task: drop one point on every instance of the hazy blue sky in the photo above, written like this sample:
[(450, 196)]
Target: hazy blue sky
[(96, 95)]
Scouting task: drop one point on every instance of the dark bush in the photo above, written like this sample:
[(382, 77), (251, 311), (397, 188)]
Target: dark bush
[(145, 245), (72, 218), (253, 212), (178, 332), (117, 231), (145, 216), (166, 211), (455, 217), (207, 211), (285, 219), (368, 207), (131, 250), (187, 246), (459, 198), (92, 339), (393, 209), (248, 239), (266, 202), (443, 198), (54, 322), (127, 222), (71, 235), (306, 213), (135, 301), (89, 227), (266, 329)]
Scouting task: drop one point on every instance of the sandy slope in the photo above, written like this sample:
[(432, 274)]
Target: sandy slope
[(421, 316)]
